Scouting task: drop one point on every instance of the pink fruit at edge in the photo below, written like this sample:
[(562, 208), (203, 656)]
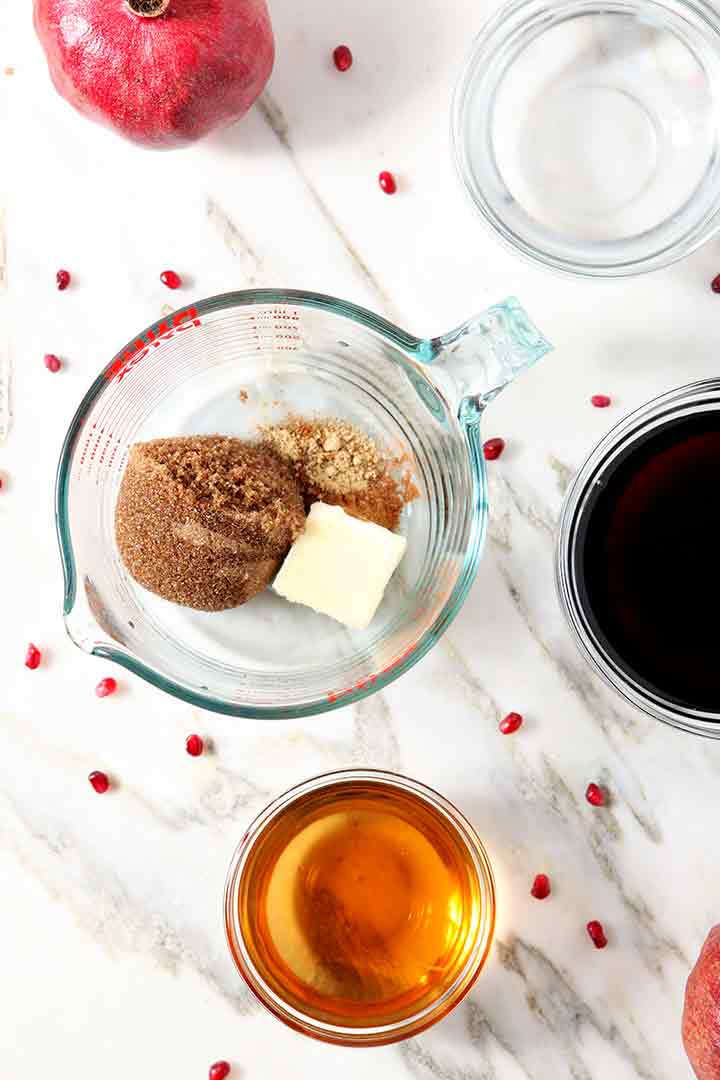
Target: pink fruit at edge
[(701, 1017), (162, 73)]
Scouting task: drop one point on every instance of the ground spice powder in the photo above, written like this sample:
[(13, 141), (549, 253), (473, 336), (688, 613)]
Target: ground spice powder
[(336, 463)]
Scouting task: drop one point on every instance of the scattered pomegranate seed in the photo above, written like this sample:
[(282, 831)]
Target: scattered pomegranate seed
[(33, 656), (597, 934), (541, 887), (52, 362), (171, 279), (510, 723), (194, 745), (219, 1070), (600, 401), (595, 795), (342, 58), (106, 687), (715, 285), (386, 180), (99, 781), (63, 279), (493, 448)]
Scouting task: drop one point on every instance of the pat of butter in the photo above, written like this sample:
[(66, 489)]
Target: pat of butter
[(340, 565)]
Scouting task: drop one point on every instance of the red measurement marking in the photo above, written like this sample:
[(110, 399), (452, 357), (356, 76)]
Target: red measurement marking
[(95, 448), (182, 320), (333, 695), (118, 444)]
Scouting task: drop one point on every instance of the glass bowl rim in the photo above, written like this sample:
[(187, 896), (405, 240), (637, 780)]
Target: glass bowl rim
[(379, 1035), (678, 402), (407, 343), (491, 36)]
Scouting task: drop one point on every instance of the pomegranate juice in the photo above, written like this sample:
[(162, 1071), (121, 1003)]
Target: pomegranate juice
[(648, 561)]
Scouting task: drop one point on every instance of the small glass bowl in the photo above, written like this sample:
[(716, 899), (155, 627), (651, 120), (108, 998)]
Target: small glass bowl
[(407, 1025), (587, 133), (657, 414)]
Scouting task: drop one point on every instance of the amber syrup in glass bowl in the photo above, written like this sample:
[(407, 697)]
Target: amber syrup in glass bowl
[(360, 908)]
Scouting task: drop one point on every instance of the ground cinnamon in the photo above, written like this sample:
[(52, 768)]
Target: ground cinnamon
[(336, 463)]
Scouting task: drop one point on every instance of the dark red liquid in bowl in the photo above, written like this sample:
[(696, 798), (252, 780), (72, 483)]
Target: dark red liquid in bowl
[(648, 561)]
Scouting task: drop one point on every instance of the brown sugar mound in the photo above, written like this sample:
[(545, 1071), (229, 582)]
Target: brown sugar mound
[(338, 464), (205, 520)]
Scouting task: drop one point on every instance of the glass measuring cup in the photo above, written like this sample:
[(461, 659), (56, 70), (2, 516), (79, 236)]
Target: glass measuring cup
[(226, 365)]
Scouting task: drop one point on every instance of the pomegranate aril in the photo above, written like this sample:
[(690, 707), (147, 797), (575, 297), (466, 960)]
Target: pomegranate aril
[(219, 1070), (493, 448), (33, 656), (715, 285), (194, 745), (596, 934), (63, 279), (595, 795), (52, 362), (100, 781), (387, 182), (342, 58), (106, 687), (600, 401), (541, 887), (171, 279), (510, 723)]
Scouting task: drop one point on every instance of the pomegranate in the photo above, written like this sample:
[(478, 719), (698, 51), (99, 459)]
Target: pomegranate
[(219, 1070), (387, 182), (701, 1015), (541, 887), (100, 781), (493, 448), (510, 723), (596, 933), (194, 745), (106, 687), (171, 279), (33, 656), (160, 72), (342, 58), (595, 795)]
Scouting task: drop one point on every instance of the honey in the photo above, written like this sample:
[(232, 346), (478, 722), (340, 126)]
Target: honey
[(361, 903)]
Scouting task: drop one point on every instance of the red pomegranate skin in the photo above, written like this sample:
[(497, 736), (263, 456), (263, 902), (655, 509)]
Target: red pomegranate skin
[(162, 82), (701, 1016)]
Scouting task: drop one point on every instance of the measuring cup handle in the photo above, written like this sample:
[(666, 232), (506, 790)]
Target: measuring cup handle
[(486, 353)]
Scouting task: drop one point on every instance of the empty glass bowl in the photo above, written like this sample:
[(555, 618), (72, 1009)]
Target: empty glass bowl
[(227, 365), (587, 133)]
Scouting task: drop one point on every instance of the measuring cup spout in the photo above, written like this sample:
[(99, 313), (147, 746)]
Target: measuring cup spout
[(486, 353)]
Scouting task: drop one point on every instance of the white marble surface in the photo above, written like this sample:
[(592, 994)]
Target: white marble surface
[(113, 959)]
